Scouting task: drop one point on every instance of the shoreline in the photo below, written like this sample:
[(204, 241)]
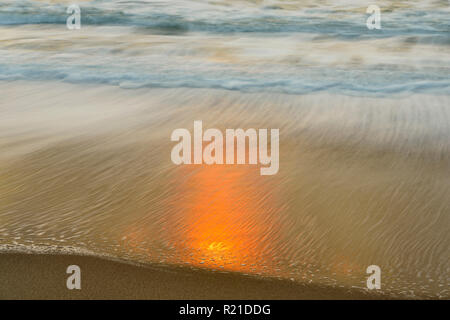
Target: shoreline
[(43, 276), (90, 166)]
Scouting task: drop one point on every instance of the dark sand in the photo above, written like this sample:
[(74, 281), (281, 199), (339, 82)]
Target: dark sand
[(43, 276)]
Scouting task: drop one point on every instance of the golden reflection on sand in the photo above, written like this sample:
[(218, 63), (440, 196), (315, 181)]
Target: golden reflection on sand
[(225, 211)]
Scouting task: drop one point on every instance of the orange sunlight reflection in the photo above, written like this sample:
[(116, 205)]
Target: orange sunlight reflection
[(225, 211)]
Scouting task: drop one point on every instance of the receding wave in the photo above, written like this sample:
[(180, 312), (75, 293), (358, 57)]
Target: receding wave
[(198, 16), (286, 47), (360, 183), (337, 81)]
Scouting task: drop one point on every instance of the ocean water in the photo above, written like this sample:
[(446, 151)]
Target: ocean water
[(86, 118), (292, 47)]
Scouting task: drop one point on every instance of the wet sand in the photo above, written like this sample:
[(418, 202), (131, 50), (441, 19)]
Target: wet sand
[(43, 276), (362, 181)]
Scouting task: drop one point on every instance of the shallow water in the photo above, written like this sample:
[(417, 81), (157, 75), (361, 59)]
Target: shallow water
[(361, 182), (86, 118)]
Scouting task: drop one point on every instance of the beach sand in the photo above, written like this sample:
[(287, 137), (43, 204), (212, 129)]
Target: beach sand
[(362, 181), (43, 276)]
